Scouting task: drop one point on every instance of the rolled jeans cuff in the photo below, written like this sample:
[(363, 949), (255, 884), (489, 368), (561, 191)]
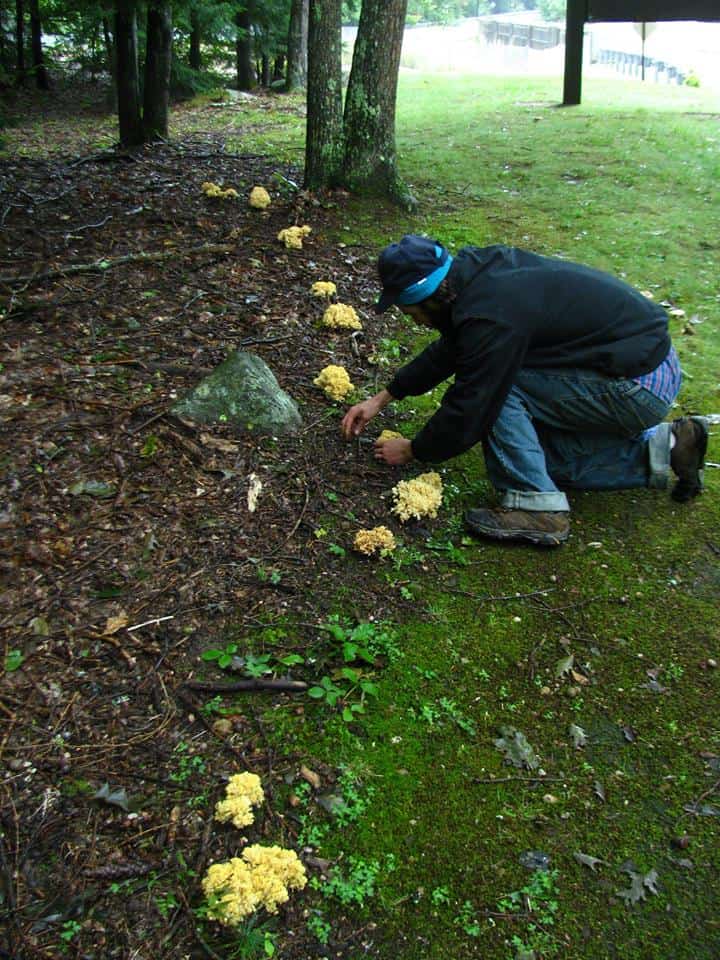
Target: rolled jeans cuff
[(659, 456), (554, 501)]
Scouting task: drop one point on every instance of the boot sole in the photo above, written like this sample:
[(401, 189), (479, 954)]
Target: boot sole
[(535, 537), (687, 488)]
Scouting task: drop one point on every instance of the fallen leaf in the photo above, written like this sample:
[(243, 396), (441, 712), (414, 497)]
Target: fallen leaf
[(564, 665), (39, 553), (585, 860), (113, 624), (310, 776), (579, 677), (331, 802), (254, 490), (704, 810), (40, 627), (116, 798), (630, 734), (516, 748), (639, 885), (578, 735), (93, 488), (218, 443)]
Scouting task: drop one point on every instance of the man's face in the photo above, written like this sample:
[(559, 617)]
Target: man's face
[(418, 313)]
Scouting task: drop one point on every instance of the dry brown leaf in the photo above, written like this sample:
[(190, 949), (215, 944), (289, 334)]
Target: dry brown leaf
[(310, 776), (113, 624)]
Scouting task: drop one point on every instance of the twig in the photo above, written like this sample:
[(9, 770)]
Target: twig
[(488, 598), (99, 266), (297, 524), (236, 686), (146, 423), (147, 623), (89, 226), (519, 779)]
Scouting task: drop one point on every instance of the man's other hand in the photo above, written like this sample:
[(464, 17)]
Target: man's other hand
[(394, 452)]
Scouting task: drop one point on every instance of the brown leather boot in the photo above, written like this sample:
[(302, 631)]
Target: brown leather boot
[(687, 457), (543, 527)]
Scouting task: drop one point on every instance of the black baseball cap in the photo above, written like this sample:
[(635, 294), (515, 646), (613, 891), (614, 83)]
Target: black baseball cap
[(411, 270)]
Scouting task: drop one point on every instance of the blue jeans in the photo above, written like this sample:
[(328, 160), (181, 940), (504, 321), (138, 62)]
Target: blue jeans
[(575, 429)]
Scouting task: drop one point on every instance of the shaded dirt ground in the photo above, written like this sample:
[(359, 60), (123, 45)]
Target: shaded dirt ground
[(111, 589)]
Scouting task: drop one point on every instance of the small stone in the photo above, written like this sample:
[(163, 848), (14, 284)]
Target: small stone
[(682, 843), (545, 691), (712, 663), (550, 798)]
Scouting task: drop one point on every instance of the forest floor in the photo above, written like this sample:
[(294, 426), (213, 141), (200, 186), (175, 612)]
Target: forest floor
[(128, 545), (135, 564)]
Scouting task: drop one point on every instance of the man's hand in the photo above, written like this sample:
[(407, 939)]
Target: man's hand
[(394, 452), (358, 417)]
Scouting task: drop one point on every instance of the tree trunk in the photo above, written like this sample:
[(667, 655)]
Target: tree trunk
[(243, 51), (20, 40), (128, 87), (278, 70), (41, 77), (194, 59), (265, 70), (369, 154), (297, 45), (157, 70), (111, 64), (323, 143)]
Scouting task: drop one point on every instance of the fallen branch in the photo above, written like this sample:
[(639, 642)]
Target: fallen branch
[(236, 686), (99, 266)]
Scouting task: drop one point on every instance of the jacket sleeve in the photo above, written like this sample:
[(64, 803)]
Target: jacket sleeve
[(435, 364), (488, 356)]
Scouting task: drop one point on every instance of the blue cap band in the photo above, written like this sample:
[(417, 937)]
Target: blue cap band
[(426, 287)]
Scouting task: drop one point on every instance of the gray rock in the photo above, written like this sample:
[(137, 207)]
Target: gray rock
[(242, 391)]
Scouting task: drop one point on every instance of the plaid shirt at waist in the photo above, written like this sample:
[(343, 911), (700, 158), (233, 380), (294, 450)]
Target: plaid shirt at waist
[(664, 381)]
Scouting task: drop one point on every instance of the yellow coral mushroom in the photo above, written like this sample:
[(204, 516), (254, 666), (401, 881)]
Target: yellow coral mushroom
[(212, 190), (292, 237), (419, 497), (259, 198), (389, 435), (244, 791), (334, 380), (246, 784), (229, 886), (323, 289), (341, 316), (262, 878), (378, 539), (275, 871)]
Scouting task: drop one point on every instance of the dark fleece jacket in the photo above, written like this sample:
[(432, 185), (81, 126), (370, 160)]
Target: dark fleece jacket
[(516, 309)]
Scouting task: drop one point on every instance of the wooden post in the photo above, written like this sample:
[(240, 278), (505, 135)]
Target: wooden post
[(574, 28)]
